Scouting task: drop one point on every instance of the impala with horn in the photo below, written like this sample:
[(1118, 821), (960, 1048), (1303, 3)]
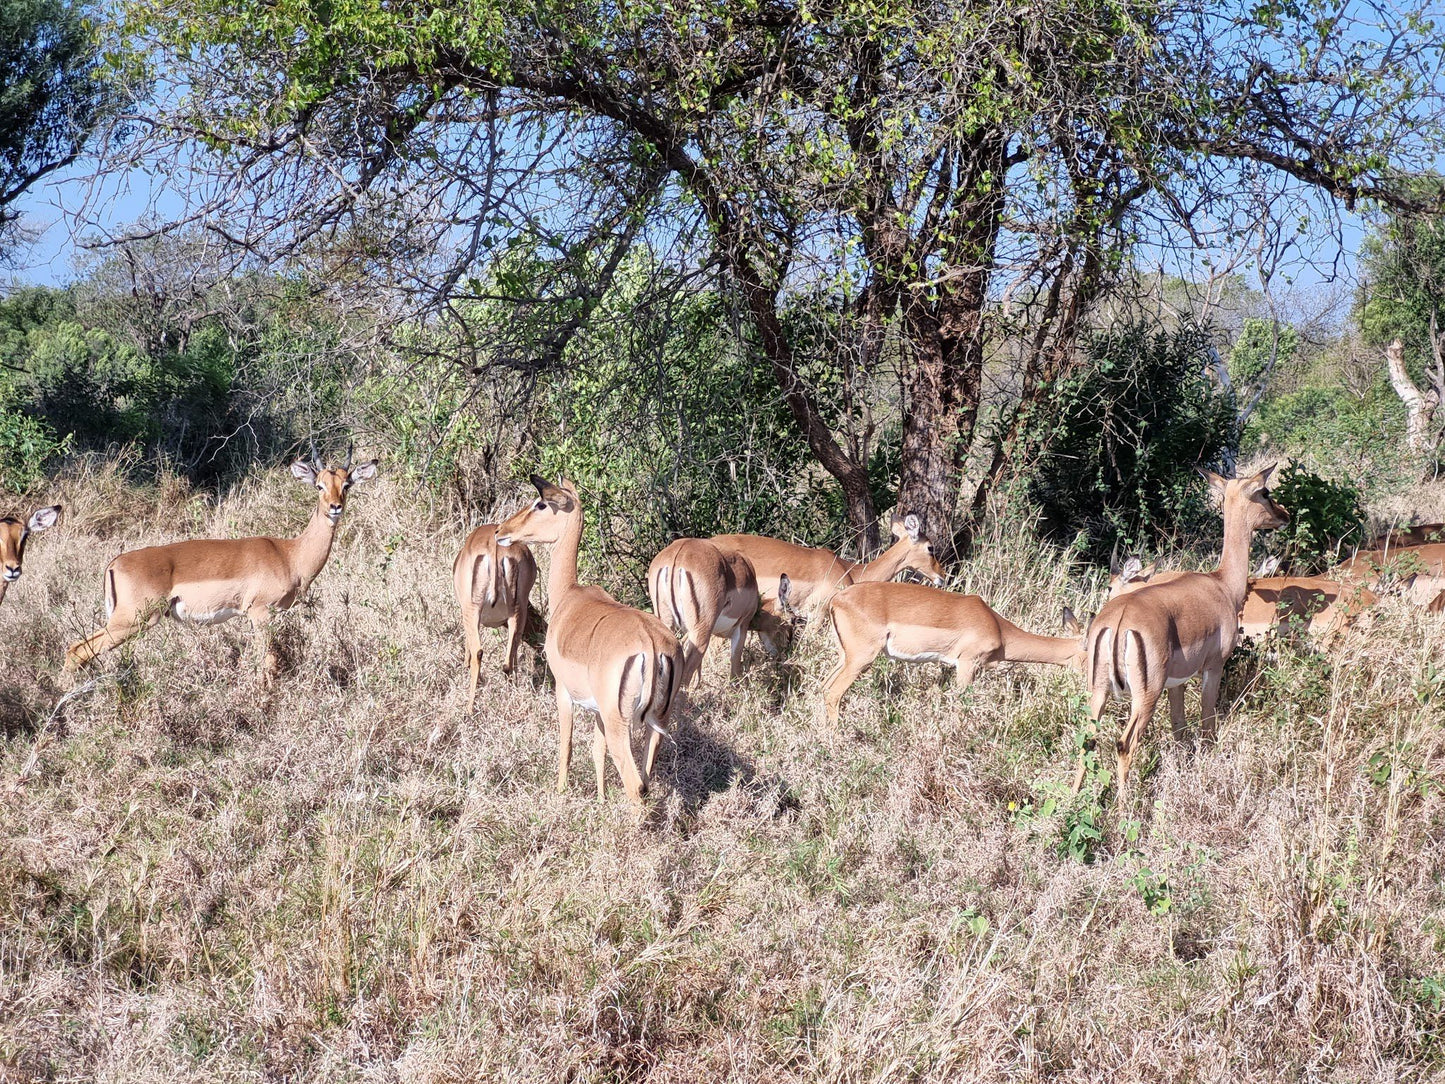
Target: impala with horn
[(494, 588), (818, 574), (14, 534), (206, 581), (609, 658), (914, 623), (1163, 634)]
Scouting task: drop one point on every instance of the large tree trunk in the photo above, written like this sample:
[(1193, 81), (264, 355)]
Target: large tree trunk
[(1420, 406)]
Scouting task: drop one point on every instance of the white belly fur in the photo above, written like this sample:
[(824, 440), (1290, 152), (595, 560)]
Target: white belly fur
[(182, 613)]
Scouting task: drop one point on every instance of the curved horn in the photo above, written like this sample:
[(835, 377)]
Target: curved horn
[(315, 457), (350, 447)]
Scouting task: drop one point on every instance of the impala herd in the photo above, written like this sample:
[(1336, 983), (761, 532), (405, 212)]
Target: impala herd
[(1157, 631)]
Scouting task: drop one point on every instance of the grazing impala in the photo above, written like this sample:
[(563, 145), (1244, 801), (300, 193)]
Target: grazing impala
[(1396, 562), (614, 660), (494, 588), (1418, 534), (206, 581), (13, 535), (913, 623), (701, 592), (1321, 608), (1161, 635), (818, 574)]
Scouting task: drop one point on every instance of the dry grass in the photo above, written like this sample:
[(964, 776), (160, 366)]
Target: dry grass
[(344, 880)]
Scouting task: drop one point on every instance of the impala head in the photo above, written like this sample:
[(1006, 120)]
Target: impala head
[(919, 554), (333, 483), (544, 519), (1249, 499), (13, 535), (1132, 571)]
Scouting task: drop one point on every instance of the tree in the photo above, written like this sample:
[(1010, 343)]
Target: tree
[(1402, 304), (963, 179), (50, 94)]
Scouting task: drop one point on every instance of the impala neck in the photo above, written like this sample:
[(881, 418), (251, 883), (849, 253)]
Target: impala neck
[(1234, 559), (884, 567), (4, 586), (563, 573), (311, 548), (1022, 646)]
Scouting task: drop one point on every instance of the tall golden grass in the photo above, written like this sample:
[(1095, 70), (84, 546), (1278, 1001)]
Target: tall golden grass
[(343, 879)]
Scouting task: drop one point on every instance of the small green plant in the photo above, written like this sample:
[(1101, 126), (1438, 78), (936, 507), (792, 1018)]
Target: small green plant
[(1324, 517), (1154, 888), (26, 445)]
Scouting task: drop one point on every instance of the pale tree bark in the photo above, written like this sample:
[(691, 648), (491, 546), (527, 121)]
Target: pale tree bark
[(1420, 406)]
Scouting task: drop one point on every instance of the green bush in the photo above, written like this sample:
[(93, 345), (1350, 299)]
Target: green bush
[(1124, 434), (26, 445), (1324, 518)]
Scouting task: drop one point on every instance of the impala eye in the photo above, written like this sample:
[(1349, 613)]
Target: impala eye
[(540, 506)]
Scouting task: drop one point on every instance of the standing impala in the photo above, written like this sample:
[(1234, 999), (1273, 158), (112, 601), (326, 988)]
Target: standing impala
[(14, 534), (494, 588), (1321, 608), (701, 592), (614, 660), (206, 581), (818, 574), (913, 623), (1161, 635)]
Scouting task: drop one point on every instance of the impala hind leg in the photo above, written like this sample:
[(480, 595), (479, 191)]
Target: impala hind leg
[(618, 741), (599, 757), (120, 627), (840, 679), (1140, 712), (516, 632), (565, 712), (473, 635)]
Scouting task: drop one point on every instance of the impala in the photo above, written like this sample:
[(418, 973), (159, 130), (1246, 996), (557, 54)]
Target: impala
[(1399, 562), (1418, 534), (818, 574), (914, 623), (14, 534), (614, 660), (494, 588), (1161, 635), (701, 592), (1320, 607), (206, 581)]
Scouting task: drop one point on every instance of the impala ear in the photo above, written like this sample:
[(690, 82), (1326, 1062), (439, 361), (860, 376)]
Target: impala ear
[(1131, 570), (1267, 567), (556, 496), (785, 587), (1217, 482), (304, 472), (914, 526), (364, 471), (1071, 623), (1262, 479), (44, 518)]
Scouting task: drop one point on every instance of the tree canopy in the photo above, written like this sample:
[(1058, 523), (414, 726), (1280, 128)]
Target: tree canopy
[(957, 181)]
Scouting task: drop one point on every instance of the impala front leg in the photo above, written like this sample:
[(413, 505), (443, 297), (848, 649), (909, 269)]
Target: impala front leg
[(261, 621), (565, 712), (1176, 714), (1209, 695)]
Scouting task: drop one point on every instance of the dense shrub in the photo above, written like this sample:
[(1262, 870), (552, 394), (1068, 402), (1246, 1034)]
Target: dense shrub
[(1125, 433), (1324, 518)]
